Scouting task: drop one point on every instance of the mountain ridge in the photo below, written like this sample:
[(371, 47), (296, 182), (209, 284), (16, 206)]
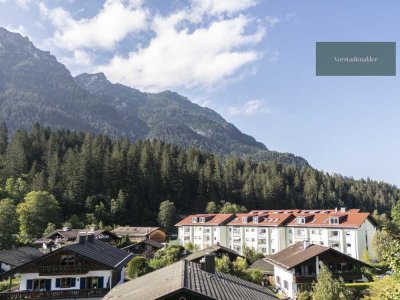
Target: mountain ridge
[(35, 87)]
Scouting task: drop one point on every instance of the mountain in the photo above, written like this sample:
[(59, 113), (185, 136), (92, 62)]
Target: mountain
[(35, 87)]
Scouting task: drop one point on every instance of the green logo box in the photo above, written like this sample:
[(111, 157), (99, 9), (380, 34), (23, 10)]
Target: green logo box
[(356, 59)]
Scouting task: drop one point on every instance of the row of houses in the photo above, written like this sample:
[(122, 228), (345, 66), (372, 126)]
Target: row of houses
[(270, 231)]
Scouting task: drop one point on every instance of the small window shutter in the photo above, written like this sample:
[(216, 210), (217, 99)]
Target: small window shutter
[(29, 284), (73, 282), (83, 283), (58, 282), (48, 284), (101, 282)]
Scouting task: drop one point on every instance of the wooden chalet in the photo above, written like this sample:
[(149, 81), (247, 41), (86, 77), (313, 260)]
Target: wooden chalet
[(87, 269), (138, 234), (65, 236)]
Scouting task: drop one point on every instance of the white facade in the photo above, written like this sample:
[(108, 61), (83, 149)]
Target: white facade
[(105, 274), (284, 281), (349, 240), (202, 236)]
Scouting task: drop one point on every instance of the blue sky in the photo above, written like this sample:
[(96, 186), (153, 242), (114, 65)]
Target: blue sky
[(253, 61)]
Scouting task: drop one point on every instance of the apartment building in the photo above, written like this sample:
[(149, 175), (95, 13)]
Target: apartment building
[(204, 230), (270, 231)]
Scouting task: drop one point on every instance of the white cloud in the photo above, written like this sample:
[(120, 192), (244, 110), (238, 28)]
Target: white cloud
[(111, 25), (23, 3), (19, 29), (250, 108), (180, 57), (78, 58), (222, 6)]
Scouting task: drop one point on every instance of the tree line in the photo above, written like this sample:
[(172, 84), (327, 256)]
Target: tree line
[(94, 179)]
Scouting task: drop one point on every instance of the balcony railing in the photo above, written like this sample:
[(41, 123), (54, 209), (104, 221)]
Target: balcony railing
[(60, 294), (45, 270)]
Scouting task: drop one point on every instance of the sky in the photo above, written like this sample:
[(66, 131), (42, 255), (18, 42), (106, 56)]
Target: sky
[(252, 61)]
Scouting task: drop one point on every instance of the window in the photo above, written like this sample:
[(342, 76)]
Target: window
[(194, 219), (335, 233), (290, 230), (278, 280), (67, 282), (285, 285), (67, 260), (313, 231), (202, 219), (301, 220), (348, 245), (348, 233), (273, 250), (255, 219), (244, 219), (39, 284), (253, 239), (334, 220), (263, 230)]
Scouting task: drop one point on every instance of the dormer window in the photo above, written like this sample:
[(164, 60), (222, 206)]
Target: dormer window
[(194, 219), (202, 220), (301, 220), (244, 219), (333, 220), (257, 219)]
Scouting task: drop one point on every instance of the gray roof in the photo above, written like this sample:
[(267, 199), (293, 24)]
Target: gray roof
[(211, 249), (18, 256), (186, 275), (72, 234), (147, 242), (101, 252), (95, 250), (294, 255), (264, 266), (135, 231)]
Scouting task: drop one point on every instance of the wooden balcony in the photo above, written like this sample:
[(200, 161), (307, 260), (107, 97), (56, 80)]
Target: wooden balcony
[(61, 294), (62, 270)]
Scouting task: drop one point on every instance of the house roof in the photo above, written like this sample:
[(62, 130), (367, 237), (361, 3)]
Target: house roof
[(151, 243), (135, 231), (265, 219), (264, 266), (348, 219), (211, 249), (185, 275), (71, 234), (211, 219), (18, 256), (95, 250), (294, 255)]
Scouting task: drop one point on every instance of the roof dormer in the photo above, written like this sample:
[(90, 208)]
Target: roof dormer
[(301, 220), (258, 219), (245, 219), (194, 219), (202, 219)]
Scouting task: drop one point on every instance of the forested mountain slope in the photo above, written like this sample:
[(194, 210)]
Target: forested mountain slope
[(119, 182), (35, 87)]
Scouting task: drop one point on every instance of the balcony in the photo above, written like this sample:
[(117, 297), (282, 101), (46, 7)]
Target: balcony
[(58, 270), (262, 235), (236, 233), (61, 294)]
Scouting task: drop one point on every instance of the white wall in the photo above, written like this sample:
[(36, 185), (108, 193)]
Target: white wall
[(25, 276), (285, 275)]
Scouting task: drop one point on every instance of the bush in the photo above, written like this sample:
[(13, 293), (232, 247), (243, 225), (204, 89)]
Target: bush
[(138, 266)]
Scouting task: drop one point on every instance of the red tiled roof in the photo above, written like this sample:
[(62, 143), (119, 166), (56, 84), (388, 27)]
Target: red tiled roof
[(348, 220), (267, 219), (215, 219)]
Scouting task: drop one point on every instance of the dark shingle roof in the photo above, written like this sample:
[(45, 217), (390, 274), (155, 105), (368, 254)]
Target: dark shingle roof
[(147, 242), (211, 249), (18, 256), (72, 234), (264, 266), (101, 252), (185, 275), (296, 254)]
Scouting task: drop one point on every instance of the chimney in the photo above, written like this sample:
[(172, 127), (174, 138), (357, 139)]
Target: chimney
[(82, 238), (306, 244), (90, 237), (209, 263), (335, 209)]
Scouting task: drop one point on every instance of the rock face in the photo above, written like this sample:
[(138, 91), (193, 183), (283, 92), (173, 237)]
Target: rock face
[(35, 87)]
